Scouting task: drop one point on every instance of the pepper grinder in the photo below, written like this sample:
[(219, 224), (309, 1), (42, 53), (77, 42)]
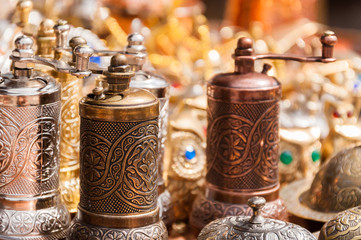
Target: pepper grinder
[(136, 55), (118, 161), (31, 206), (243, 138), (71, 94)]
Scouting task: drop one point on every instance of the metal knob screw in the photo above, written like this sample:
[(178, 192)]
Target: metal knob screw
[(24, 8), (257, 203), (328, 40), (76, 41), (82, 54), (61, 29)]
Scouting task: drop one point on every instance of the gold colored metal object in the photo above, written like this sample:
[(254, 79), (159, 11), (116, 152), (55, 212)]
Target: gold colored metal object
[(71, 94), (242, 136), (331, 190), (186, 155), (253, 227), (344, 131), (46, 39), (299, 153), (346, 225), (118, 161), (23, 8), (31, 206)]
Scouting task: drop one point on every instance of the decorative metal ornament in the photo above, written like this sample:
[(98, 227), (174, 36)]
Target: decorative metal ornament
[(253, 227), (71, 94), (187, 155), (346, 225), (330, 191), (344, 131), (243, 137), (118, 161), (31, 206), (299, 153)]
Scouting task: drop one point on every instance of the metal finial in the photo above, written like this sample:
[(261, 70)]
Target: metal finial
[(328, 40), (256, 203), (61, 30)]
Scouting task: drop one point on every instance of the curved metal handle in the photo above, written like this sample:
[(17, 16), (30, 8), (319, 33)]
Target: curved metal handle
[(244, 52)]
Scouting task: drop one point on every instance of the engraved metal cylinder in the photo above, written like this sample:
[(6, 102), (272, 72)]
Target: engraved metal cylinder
[(30, 202), (118, 162), (242, 144), (160, 88), (69, 136)]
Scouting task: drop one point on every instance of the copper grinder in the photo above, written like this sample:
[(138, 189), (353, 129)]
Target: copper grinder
[(118, 161), (242, 137)]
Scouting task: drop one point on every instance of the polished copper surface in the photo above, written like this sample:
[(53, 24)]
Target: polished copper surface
[(242, 142), (242, 134), (253, 227), (118, 161), (30, 203)]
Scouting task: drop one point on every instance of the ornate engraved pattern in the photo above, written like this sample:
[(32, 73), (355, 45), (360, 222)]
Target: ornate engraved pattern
[(80, 231), (242, 144), (239, 228), (163, 124), (70, 121), (29, 143), (346, 225), (166, 212), (336, 186), (49, 223), (205, 211), (118, 166), (69, 140)]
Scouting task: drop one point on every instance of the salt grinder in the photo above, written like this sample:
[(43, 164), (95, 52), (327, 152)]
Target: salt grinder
[(118, 161), (242, 137)]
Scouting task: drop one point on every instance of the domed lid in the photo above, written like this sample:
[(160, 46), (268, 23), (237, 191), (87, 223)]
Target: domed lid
[(118, 93), (244, 76), (345, 225), (254, 227), (337, 185), (151, 82), (37, 84), (247, 81), (24, 81)]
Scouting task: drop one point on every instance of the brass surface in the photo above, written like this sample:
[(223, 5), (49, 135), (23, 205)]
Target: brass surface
[(330, 191), (118, 161), (301, 143), (345, 225), (69, 139), (185, 177)]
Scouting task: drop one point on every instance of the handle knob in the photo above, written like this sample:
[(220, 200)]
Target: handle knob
[(257, 203), (24, 8), (74, 42), (82, 55), (328, 40), (61, 29)]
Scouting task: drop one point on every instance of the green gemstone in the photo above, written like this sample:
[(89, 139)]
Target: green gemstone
[(316, 156), (286, 157)]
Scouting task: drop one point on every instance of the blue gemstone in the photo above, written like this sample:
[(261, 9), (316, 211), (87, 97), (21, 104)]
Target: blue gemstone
[(190, 153)]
